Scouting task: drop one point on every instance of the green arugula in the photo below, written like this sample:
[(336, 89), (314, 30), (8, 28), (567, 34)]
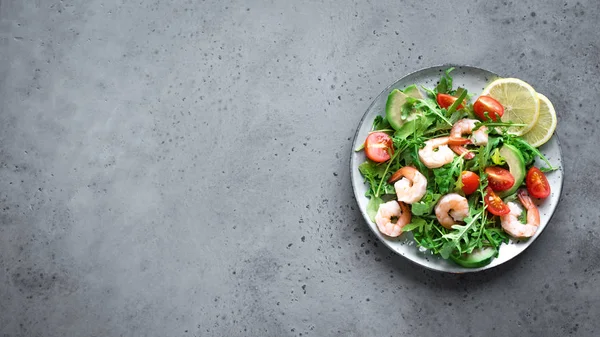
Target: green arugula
[(426, 204), (447, 175), (445, 84), (459, 101)]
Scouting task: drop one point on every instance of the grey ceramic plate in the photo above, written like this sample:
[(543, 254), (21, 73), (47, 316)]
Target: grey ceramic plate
[(474, 80)]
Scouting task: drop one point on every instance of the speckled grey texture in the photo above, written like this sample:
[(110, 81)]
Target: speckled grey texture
[(180, 168)]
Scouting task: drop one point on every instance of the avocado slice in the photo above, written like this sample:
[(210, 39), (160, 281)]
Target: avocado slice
[(478, 258), (516, 166), (395, 101), (413, 91)]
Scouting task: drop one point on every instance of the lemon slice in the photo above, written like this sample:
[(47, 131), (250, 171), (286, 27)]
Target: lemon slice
[(545, 125), (520, 101)]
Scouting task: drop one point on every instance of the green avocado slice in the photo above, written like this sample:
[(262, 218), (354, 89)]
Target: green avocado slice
[(516, 166), (413, 91), (395, 101)]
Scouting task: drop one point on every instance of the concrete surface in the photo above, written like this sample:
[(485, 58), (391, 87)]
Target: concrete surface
[(180, 168)]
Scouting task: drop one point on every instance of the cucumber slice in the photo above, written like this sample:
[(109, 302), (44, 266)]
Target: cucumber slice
[(477, 258), (395, 101), (516, 166)]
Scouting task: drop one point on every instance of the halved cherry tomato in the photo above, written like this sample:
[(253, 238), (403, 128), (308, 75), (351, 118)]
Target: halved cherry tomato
[(495, 205), (537, 184), (499, 179), (379, 146), (487, 104), (470, 182), (445, 101)]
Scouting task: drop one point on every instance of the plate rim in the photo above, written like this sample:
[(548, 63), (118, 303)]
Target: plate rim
[(463, 270)]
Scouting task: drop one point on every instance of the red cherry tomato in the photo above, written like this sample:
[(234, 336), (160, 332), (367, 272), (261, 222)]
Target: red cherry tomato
[(495, 205), (445, 101), (487, 104), (537, 184), (470, 182), (379, 147), (499, 179)]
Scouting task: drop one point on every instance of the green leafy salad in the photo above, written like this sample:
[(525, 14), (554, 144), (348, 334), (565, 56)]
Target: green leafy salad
[(459, 176)]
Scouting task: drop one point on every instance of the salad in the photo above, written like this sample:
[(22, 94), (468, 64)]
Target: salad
[(460, 176)]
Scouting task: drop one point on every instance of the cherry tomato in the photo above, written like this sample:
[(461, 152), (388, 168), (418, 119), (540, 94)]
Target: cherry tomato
[(379, 146), (470, 182), (495, 205), (499, 179), (487, 104), (537, 184), (445, 101)]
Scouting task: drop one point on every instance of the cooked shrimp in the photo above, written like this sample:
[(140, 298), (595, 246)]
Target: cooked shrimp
[(466, 126), (511, 223), (409, 183), (451, 208), (434, 159), (391, 217)]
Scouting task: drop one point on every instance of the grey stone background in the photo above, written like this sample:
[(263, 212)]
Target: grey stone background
[(180, 168)]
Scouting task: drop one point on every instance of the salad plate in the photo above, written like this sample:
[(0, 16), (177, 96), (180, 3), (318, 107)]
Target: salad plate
[(474, 80)]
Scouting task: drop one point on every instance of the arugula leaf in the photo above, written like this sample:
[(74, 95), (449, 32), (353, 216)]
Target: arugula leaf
[(415, 127), (497, 159), (375, 174), (388, 189), (512, 197), (459, 91), (381, 123), (456, 103), (492, 125), (460, 232), (372, 172), (447, 175), (495, 236), (373, 206), (430, 106), (455, 116), (447, 249), (429, 236), (425, 206), (415, 223), (445, 84), (483, 156), (415, 160), (430, 92)]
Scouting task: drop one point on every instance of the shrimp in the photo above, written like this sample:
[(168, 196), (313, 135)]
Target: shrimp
[(466, 126), (409, 183), (434, 159), (451, 208), (512, 225), (389, 211)]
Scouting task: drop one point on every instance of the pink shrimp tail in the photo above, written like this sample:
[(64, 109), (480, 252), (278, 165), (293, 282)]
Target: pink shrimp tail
[(525, 198), (459, 150)]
